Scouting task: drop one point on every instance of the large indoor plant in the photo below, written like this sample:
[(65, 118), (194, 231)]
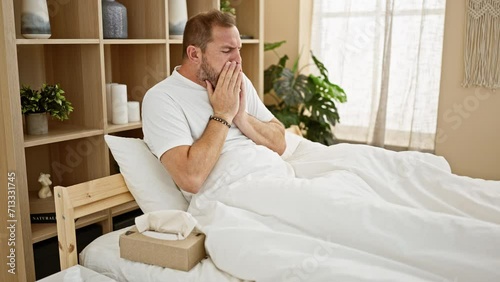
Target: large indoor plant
[(305, 100), (36, 104)]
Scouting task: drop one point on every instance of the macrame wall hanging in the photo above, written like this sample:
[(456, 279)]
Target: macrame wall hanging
[(482, 44)]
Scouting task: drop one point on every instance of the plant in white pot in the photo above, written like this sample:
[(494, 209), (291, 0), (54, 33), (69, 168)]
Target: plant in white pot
[(36, 105)]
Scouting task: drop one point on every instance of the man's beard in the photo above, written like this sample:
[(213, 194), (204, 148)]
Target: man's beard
[(206, 72)]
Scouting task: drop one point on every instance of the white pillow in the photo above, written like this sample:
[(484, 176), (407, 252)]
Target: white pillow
[(145, 176)]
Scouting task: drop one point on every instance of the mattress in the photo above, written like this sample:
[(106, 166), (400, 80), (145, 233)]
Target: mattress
[(103, 256)]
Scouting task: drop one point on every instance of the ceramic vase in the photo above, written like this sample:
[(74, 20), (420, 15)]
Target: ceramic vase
[(114, 20), (36, 124), (177, 18), (35, 22)]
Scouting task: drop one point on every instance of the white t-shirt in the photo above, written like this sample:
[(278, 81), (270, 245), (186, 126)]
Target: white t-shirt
[(175, 112)]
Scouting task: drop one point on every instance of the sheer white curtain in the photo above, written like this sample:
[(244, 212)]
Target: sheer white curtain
[(386, 54)]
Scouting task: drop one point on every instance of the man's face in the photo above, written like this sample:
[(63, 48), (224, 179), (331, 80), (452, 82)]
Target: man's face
[(225, 47)]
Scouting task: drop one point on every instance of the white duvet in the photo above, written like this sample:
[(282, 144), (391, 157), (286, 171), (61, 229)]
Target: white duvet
[(349, 213)]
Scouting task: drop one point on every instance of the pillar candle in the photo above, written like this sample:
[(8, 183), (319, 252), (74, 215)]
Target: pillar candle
[(109, 105), (119, 102), (134, 114)]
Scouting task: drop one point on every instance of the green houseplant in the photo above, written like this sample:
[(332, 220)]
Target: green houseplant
[(36, 104), (305, 100), (225, 6)]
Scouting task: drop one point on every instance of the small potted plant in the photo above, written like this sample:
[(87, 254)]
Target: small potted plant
[(36, 105), (225, 6)]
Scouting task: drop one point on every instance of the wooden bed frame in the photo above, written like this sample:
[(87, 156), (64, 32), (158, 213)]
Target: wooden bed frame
[(84, 199)]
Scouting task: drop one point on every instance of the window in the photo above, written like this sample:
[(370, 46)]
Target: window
[(387, 57)]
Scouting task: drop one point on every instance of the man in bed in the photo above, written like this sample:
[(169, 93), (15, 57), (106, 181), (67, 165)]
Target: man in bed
[(336, 213), (207, 106)]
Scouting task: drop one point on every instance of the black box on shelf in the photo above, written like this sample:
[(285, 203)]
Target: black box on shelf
[(46, 252)]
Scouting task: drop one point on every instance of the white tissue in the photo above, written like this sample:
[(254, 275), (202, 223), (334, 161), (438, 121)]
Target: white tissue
[(174, 224), (119, 101)]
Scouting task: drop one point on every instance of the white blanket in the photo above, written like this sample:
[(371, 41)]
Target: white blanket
[(348, 213)]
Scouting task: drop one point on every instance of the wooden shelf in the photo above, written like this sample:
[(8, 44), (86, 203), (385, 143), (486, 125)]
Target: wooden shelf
[(44, 231), (134, 41), (250, 41), (139, 66), (60, 134), (146, 19), (55, 41), (38, 205), (175, 41), (68, 19), (243, 41), (81, 61), (113, 128), (246, 20)]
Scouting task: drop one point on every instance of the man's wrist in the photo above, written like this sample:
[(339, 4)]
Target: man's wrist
[(241, 119), (221, 120), (225, 117)]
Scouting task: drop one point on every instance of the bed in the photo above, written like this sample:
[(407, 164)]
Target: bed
[(350, 213), (103, 254)]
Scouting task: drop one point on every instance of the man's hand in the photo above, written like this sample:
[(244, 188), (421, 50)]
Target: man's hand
[(225, 100), (270, 134), (241, 114)]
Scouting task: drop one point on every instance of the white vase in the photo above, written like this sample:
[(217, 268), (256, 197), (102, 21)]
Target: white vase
[(35, 19), (177, 18), (37, 124)]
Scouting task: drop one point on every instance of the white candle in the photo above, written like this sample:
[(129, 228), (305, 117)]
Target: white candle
[(119, 102), (134, 114), (109, 105)]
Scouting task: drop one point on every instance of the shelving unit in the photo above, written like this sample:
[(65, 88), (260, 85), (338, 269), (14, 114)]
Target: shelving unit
[(82, 62)]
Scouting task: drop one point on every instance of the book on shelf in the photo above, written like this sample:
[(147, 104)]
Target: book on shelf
[(41, 210), (43, 217)]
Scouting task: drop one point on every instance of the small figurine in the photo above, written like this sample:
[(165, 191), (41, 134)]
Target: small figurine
[(45, 191)]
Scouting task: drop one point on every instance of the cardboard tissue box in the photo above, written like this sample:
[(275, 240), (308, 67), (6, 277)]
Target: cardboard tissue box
[(175, 254)]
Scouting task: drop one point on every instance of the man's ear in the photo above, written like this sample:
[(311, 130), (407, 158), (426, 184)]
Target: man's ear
[(194, 54)]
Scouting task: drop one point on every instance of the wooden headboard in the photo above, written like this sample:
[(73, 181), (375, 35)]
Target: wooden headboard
[(80, 200)]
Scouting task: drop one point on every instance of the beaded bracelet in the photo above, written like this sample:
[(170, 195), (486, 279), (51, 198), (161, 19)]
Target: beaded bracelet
[(221, 120)]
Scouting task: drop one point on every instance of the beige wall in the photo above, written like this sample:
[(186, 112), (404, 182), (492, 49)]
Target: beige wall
[(287, 20), (468, 119), (278, 26)]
